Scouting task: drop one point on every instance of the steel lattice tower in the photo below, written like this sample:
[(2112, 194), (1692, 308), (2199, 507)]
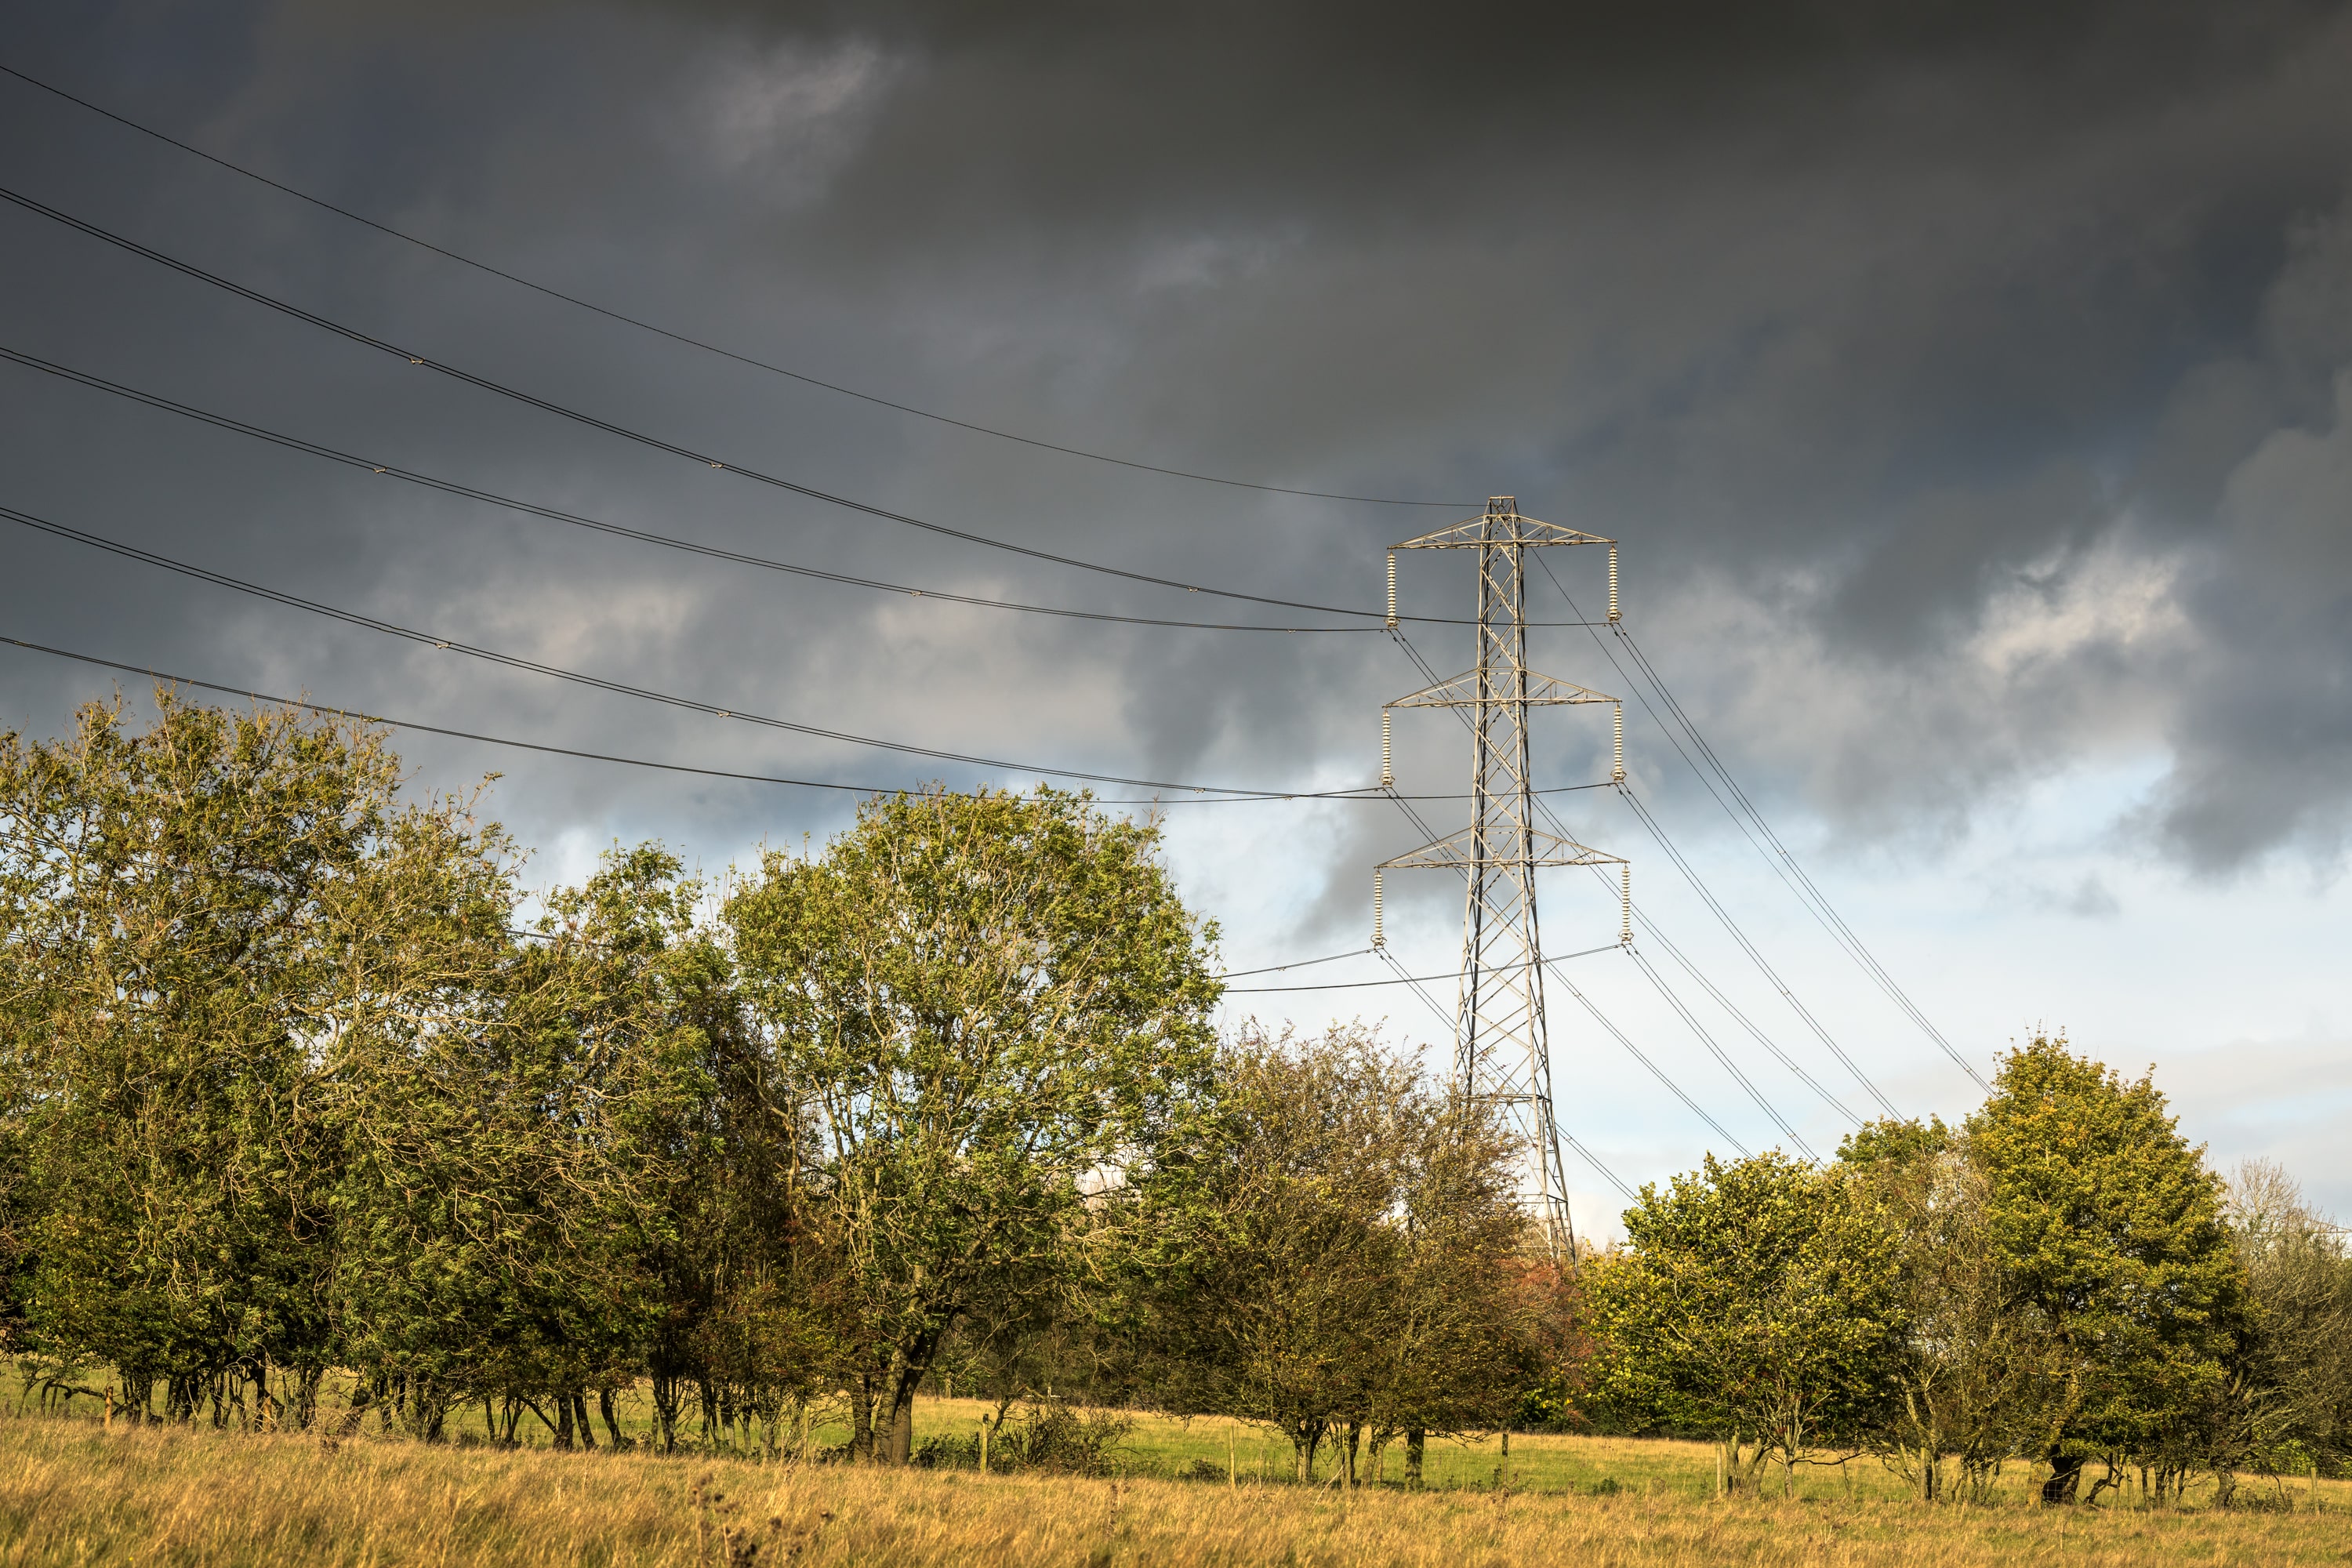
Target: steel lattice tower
[(1501, 1049)]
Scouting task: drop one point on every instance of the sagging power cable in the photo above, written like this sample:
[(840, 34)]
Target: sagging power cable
[(1699, 884), (197, 683), (1786, 865), (557, 514), (690, 341), (624, 688), (652, 442)]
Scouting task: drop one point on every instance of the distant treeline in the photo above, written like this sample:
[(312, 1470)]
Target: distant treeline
[(289, 1087)]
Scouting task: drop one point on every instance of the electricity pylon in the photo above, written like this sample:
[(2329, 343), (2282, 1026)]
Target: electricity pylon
[(1501, 1051)]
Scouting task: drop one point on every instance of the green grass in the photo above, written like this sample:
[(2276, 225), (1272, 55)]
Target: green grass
[(74, 1493), (1171, 1449)]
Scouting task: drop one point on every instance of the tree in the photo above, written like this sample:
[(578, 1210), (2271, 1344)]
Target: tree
[(2286, 1404), (1342, 1253), (2111, 1228), (522, 1170), (1977, 1374), (1759, 1299), (991, 1005), (198, 918)]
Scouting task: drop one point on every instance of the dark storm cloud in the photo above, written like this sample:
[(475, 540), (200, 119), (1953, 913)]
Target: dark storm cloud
[(1963, 379)]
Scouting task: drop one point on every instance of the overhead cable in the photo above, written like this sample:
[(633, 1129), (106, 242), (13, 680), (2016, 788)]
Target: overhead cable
[(1417, 979), (556, 514), (1650, 929), (658, 443), (624, 688), (1718, 1053), (691, 341), (1699, 884), (1405, 645), (424, 729), (1655, 1072), (1295, 964), (1816, 902), (1628, 1193), (1673, 853)]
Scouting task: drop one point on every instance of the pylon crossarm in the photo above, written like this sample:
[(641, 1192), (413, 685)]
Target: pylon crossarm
[(1459, 849), (1503, 528), (1462, 691)]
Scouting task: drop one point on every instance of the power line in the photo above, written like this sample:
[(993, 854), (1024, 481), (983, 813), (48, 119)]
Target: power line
[(556, 514), (642, 438), (1402, 979), (1655, 1072), (1699, 885), (1650, 927), (695, 342), (1719, 1054), (1817, 904), (1429, 673), (514, 661), (1628, 1193), (425, 729), (1295, 963), (1673, 853)]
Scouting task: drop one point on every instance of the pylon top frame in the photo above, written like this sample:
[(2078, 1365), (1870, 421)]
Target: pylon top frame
[(1477, 532)]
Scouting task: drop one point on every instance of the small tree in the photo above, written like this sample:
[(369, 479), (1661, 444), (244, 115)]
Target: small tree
[(508, 1161), (2286, 1405), (199, 918), (1760, 1299), (2110, 1228), (1342, 1253), (1978, 1376), (991, 1006)]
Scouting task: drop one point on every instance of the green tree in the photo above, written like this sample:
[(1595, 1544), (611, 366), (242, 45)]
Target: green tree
[(1758, 1299), (509, 1196), (992, 1007), (2286, 1405), (199, 915), (1342, 1254), (1976, 1378), (2110, 1228)]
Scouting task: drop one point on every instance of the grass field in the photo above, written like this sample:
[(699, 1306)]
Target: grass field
[(73, 1493)]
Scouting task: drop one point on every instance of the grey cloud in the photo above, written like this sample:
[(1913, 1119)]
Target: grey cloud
[(1897, 348)]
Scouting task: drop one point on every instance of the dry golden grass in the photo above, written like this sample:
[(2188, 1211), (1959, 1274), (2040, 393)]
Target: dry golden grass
[(71, 1493)]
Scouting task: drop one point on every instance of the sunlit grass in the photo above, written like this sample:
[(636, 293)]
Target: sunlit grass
[(71, 1491)]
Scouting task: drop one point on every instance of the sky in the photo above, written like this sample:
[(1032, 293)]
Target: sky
[(1968, 387)]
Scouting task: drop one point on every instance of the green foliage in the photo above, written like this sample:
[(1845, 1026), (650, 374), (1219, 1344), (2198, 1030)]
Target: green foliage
[(200, 920), (1978, 1377), (986, 1003), (1895, 1141), (1342, 1252), (1753, 1299), (511, 1162), (2287, 1404), (282, 1090), (2108, 1225)]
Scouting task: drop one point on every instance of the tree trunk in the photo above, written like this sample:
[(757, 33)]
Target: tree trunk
[(902, 1427), (611, 1425), (2066, 1476), (580, 1421), (1416, 1442), (1304, 1441), (564, 1420), (861, 1420), (666, 1412)]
